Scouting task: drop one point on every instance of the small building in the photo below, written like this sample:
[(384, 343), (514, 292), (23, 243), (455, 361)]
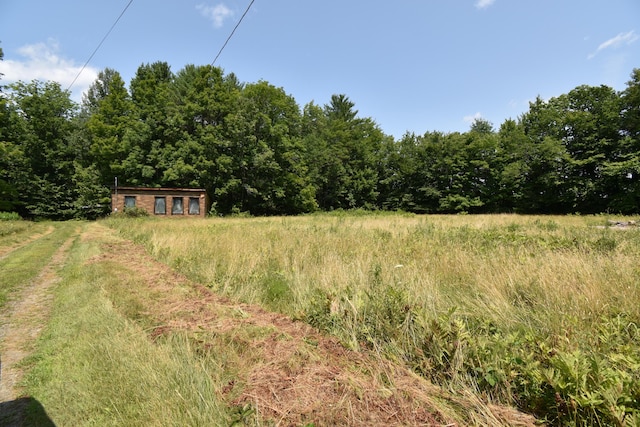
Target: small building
[(169, 202)]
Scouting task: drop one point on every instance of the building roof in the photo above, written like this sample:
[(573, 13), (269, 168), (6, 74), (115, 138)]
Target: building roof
[(163, 189)]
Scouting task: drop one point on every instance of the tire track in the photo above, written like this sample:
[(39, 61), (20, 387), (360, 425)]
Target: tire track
[(20, 327), (8, 250)]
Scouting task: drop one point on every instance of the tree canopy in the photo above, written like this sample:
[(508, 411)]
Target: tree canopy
[(254, 149)]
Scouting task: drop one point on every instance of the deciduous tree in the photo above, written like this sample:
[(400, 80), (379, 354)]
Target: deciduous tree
[(40, 116)]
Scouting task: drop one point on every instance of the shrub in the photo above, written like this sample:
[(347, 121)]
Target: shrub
[(133, 212), (9, 216)]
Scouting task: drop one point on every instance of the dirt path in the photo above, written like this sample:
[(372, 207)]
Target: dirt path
[(289, 372), (20, 326)]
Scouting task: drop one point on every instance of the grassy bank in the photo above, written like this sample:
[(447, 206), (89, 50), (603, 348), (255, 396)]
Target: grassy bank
[(540, 312)]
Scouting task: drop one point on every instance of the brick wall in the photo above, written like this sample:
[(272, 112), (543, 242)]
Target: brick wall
[(145, 198)]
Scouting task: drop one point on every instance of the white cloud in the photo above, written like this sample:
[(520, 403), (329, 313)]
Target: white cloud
[(514, 104), (615, 42), (41, 61), (216, 14), (482, 4), (472, 118)]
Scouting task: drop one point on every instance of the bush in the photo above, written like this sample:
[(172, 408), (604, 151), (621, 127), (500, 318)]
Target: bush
[(133, 212), (9, 216)]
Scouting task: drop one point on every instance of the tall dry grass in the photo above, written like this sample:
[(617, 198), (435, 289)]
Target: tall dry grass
[(492, 303), (497, 265)]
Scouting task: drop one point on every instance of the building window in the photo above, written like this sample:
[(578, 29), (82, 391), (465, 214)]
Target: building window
[(177, 206), (160, 207), (194, 206), (129, 201)]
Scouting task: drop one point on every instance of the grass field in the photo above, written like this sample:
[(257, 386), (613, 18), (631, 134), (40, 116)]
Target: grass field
[(94, 331), (537, 312)]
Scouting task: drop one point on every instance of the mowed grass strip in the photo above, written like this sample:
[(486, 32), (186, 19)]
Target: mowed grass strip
[(95, 366), (23, 264)]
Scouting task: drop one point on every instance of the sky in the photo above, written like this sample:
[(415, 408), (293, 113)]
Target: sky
[(410, 65)]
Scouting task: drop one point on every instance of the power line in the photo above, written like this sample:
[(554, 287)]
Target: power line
[(100, 44), (233, 31)]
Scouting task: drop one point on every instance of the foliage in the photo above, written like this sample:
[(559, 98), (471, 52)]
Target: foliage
[(254, 150), (9, 216), (41, 159), (131, 212), (342, 151)]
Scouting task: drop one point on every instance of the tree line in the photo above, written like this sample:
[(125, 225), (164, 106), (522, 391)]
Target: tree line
[(253, 149)]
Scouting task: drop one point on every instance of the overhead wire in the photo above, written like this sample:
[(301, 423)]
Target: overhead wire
[(100, 44), (232, 32), (120, 16)]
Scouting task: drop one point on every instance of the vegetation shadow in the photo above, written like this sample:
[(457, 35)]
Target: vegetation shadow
[(24, 412)]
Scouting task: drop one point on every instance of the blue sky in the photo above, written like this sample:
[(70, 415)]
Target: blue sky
[(411, 65)]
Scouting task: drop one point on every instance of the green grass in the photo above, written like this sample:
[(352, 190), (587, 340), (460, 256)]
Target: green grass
[(22, 265), (538, 312), (96, 366), (17, 231)]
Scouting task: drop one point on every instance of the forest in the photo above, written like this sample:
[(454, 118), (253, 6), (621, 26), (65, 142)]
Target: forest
[(256, 151)]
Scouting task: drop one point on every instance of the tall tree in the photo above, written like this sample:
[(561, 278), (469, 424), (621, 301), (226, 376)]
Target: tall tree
[(591, 136), (533, 166), (201, 100), (9, 156), (12, 160), (622, 168), (630, 106), (113, 129), (481, 126), (345, 150), (408, 175), (315, 147), (484, 164), (151, 93), (454, 174), (586, 122), (43, 113), (269, 174), (399, 163)]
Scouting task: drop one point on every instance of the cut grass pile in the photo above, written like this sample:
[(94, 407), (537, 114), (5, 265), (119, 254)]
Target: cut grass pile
[(539, 312)]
